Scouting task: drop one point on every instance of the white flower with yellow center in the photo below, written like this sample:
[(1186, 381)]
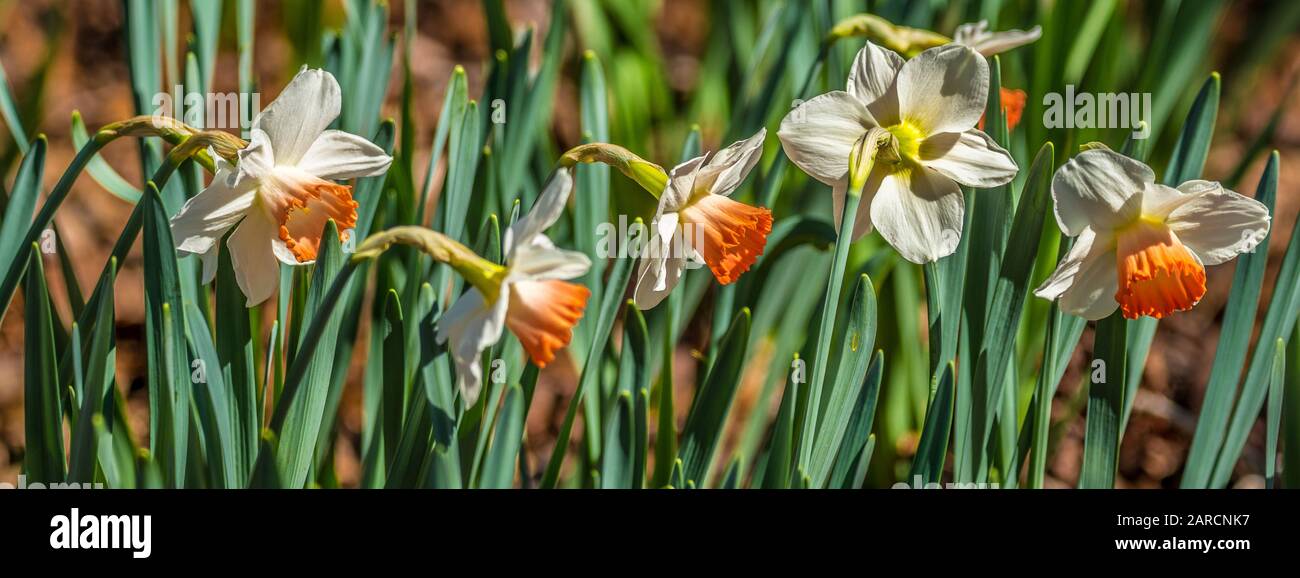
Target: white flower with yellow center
[(1140, 246), (528, 295), (917, 118), (283, 190)]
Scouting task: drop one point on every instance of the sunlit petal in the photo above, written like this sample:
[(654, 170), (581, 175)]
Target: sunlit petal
[(943, 89), (818, 135), (1099, 188), (920, 212), (971, 158), (304, 109), (337, 155)]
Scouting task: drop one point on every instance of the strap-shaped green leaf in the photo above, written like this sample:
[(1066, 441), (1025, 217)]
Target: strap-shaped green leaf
[(299, 413), (215, 402), (932, 448), (169, 364), (394, 399), (9, 112), (1009, 290), (15, 266), (619, 469), (856, 346), (499, 466), (855, 451), (1291, 414), (1279, 320), (234, 343), (704, 424), (1105, 404), (18, 211), (43, 406), (97, 394), (1275, 401), (1234, 341), (617, 284)]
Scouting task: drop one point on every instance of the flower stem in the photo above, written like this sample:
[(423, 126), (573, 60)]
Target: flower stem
[(830, 304)]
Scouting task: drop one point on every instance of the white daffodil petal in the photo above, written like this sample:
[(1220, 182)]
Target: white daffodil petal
[(874, 69), (257, 272), (920, 212), (662, 263), (304, 109), (472, 326), (943, 89), (536, 262), (971, 32), (862, 220), (210, 262), (337, 155), (545, 212), (1159, 200), (199, 225), (256, 161), (657, 277), (971, 158), (1091, 294), (1218, 224), (728, 167), (999, 42), (1098, 188), (1082, 255), (681, 185), (818, 135)]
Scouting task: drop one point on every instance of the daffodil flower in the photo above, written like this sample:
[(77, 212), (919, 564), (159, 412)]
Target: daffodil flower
[(910, 41), (283, 189), (923, 112), (1140, 246), (977, 35), (696, 220), (528, 295)]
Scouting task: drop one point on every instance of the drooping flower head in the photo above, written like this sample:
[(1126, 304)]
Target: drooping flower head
[(910, 41), (529, 295), (282, 191), (1140, 246), (696, 216), (923, 113), (978, 36)]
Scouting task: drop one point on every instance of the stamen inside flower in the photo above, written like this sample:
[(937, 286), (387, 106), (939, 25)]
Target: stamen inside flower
[(542, 315), (729, 234), (1157, 274), (907, 140), (302, 204)]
